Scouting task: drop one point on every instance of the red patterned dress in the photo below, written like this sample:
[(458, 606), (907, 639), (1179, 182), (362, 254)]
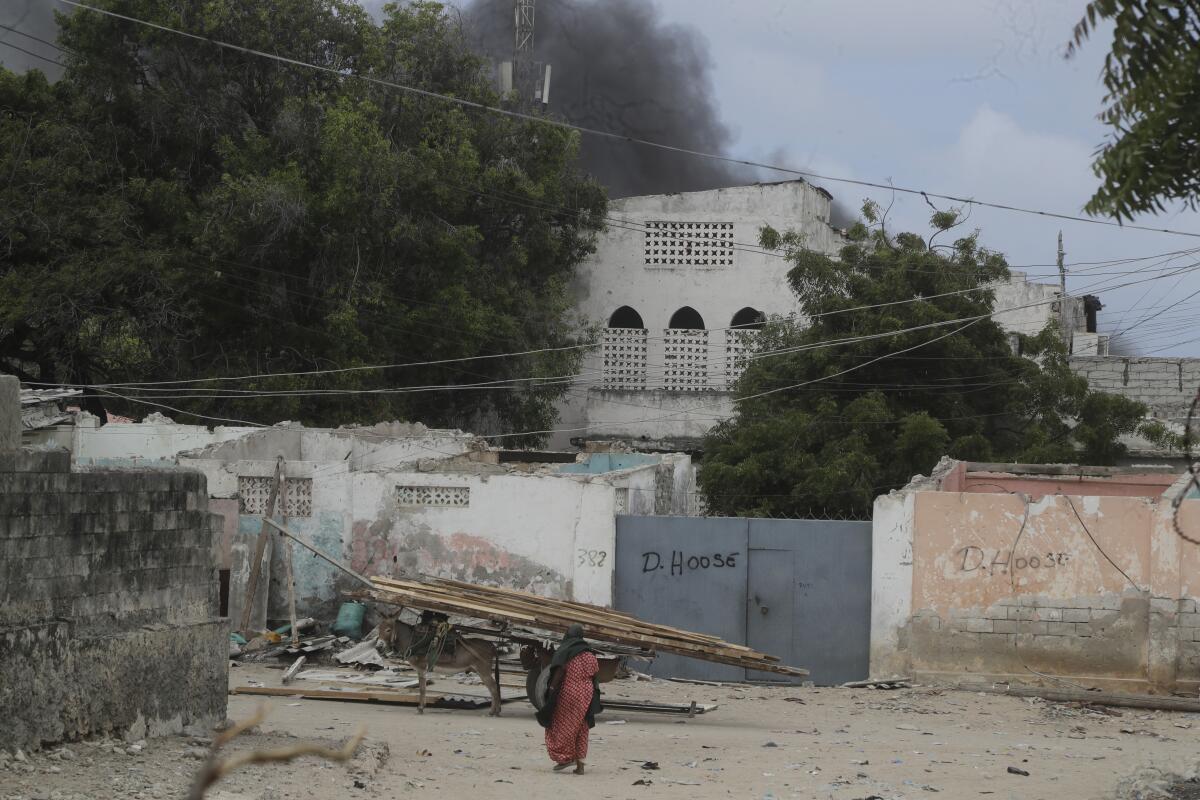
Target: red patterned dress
[(567, 736)]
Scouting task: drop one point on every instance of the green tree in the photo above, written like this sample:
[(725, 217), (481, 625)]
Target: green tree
[(1152, 104), (179, 211), (877, 388)]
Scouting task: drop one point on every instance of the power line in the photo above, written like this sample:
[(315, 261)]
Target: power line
[(46, 42), (31, 53), (779, 351), (472, 104)]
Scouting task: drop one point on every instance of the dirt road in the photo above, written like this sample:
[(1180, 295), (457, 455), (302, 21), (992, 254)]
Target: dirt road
[(760, 743)]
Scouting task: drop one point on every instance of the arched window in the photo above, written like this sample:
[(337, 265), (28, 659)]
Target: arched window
[(748, 318), (687, 318), (624, 350), (625, 317)]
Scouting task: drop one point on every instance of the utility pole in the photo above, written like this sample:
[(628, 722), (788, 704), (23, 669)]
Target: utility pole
[(1062, 297)]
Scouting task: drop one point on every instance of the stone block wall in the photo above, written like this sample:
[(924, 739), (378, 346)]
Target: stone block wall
[(1103, 636), (1165, 385), (108, 602)]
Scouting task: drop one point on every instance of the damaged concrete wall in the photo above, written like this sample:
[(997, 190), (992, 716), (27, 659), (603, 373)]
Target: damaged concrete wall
[(108, 602), (1001, 584), (545, 528), (154, 442), (383, 445), (550, 534)]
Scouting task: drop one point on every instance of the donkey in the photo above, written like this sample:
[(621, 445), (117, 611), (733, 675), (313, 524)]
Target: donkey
[(474, 655), (536, 657)]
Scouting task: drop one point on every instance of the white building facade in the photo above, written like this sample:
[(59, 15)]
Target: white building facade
[(675, 290), (676, 294)]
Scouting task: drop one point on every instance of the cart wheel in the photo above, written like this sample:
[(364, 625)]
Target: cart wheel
[(531, 679), (536, 684)]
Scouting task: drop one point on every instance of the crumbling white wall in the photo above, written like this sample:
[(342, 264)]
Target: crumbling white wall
[(550, 534), (539, 530), (154, 442)]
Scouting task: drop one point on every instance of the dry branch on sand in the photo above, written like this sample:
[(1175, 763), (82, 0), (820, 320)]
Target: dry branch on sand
[(214, 769)]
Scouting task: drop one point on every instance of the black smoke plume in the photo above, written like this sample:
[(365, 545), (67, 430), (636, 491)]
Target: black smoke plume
[(617, 66)]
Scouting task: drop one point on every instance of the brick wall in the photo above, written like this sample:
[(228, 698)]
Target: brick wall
[(1166, 385), (1104, 635), (108, 601)]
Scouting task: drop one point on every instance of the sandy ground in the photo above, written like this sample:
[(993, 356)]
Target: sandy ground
[(762, 743)]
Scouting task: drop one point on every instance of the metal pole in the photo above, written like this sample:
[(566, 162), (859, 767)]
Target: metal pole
[(1062, 297)]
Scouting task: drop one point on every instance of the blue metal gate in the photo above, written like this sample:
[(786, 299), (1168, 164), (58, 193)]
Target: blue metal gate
[(797, 589)]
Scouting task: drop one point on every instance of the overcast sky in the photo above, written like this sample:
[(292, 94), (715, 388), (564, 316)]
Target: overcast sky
[(963, 97)]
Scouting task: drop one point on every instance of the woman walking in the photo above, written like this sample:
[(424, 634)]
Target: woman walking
[(575, 701)]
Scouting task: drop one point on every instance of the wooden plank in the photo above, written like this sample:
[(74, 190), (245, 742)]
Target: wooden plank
[(396, 698), (291, 587), (293, 669), (600, 627), (315, 551), (1149, 701), (691, 709), (531, 597), (544, 615), (544, 607), (528, 600), (260, 549), (398, 597)]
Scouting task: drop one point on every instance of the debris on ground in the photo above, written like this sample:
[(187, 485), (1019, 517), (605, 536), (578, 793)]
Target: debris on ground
[(891, 683), (1157, 784)]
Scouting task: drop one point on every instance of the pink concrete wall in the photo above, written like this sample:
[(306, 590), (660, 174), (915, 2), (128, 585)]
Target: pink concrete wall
[(998, 590), (1149, 485), (1189, 560), (964, 554)]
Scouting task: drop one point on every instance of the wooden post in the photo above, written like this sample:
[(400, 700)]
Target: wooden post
[(291, 587), (290, 674), (260, 549), (319, 554)]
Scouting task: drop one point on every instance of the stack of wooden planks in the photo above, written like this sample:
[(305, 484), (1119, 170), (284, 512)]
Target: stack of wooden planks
[(513, 607)]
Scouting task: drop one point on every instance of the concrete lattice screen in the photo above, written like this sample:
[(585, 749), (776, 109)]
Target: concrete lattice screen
[(695, 359)]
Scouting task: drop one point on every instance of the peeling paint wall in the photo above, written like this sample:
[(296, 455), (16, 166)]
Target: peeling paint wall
[(548, 534), (545, 532), (975, 583)]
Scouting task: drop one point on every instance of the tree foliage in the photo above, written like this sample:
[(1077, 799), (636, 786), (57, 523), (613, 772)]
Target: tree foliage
[(175, 210), (1152, 104), (877, 388)]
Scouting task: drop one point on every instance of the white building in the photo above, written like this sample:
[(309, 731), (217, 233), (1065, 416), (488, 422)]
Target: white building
[(676, 287)]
